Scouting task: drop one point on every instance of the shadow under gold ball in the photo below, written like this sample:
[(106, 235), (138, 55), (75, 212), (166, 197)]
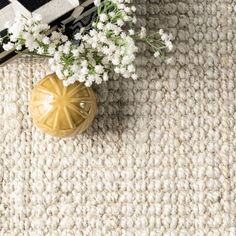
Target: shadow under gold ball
[(62, 111)]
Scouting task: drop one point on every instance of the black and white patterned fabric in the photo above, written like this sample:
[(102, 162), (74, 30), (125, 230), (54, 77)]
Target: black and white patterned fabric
[(70, 14), (82, 17)]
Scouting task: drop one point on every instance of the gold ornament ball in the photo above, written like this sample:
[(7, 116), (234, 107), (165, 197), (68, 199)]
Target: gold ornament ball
[(62, 111)]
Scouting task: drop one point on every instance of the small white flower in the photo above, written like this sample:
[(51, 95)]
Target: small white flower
[(120, 22), (169, 45), (126, 18), (134, 20), (75, 52), (121, 6), (64, 38), (78, 36), (127, 10), (66, 72), (133, 8), (143, 33), (75, 68), (115, 61), (111, 14), (103, 17), (55, 35), (66, 47), (84, 70), (105, 76), (134, 76), (117, 70), (100, 25), (46, 40), (97, 2), (81, 79), (51, 61), (13, 38), (82, 30), (40, 50), (131, 32), (51, 49), (99, 69), (8, 46), (157, 54), (60, 75), (131, 68), (57, 56)]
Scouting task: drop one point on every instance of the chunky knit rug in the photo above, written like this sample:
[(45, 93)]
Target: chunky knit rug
[(160, 158)]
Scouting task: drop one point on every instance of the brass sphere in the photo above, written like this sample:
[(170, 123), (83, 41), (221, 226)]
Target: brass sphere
[(62, 111)]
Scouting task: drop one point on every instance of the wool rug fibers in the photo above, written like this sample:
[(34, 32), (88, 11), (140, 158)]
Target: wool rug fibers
[(160, 158)]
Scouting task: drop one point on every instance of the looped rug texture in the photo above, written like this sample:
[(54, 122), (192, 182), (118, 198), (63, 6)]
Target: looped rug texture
[(160, 158)]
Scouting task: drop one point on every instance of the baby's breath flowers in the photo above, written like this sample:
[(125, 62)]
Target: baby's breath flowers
[(32, 34), (106, 47)]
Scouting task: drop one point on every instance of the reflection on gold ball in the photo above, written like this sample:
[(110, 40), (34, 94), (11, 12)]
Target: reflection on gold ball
[(62, 111)]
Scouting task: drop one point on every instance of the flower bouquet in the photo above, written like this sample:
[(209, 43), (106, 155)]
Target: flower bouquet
[(92, 54)]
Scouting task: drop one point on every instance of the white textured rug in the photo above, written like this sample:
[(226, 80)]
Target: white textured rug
[(160, 157)]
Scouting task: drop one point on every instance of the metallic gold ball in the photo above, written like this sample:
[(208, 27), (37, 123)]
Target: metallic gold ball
[(62, 111)]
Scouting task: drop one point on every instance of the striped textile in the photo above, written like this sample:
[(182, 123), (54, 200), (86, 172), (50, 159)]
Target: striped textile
[(71, 14)]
